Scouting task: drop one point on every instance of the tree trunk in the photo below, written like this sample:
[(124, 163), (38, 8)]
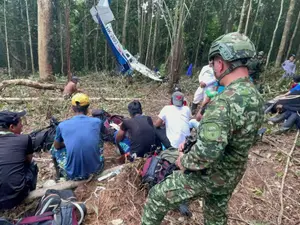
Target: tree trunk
[(150, 34), (61, 38), (202, 27), (6, 39), (68, 39), (44, 24), (154, 39), (274, 34), (125, 22), (242, 17), (294, 35), (248, 17), (85, 51), (255, 18), (23, 38), (285, 34), (29, 38), (96, 50), (139, 26)]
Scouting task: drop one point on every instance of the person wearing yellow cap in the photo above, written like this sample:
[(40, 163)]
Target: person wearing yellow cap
[(78, 146)]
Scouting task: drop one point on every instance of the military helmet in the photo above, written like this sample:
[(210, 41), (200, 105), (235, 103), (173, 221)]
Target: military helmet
[(232, 46)]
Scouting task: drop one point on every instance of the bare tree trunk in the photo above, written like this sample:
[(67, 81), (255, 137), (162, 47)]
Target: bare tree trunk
[(44, 24), (85, 51), (61, 39), (68, 39), (154, 39), (142, 33), (150, 34), (29, 37), (125, 22), (255, 18), (260, 31), (139, 26), (248, 17), (274, 33), (96, 50), (242, 17), (23, 39), (294, 35), (202, 27), (6, 39), (285, 34), (105, 56)]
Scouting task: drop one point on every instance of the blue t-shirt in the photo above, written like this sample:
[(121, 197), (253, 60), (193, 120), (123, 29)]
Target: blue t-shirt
[(81, 135), (296, 88)]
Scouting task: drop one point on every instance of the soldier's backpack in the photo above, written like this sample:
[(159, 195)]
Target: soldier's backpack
[(55, 208), (43, 139)]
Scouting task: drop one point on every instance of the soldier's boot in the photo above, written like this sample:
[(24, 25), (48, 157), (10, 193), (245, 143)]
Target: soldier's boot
[(194, 108), (288, 124), (278, 118)]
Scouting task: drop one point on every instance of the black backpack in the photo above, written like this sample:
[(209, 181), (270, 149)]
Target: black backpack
[(43, 139)]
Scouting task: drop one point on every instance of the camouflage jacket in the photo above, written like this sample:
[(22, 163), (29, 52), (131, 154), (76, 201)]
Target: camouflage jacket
[(226, 132)]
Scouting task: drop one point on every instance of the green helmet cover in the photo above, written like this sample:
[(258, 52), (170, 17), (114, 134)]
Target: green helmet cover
[(232, 46)]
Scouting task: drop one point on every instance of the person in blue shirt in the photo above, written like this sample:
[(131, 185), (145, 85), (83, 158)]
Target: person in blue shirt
[(77, 149)]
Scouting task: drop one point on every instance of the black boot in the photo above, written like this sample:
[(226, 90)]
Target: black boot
[(194, 108)]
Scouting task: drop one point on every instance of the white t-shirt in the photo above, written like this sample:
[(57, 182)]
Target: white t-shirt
[(207, 75), (177, 123)]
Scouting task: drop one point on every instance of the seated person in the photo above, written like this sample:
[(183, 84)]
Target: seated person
[(136, 135), (18, 172), (71, 87), (78, 146), (176, 119)]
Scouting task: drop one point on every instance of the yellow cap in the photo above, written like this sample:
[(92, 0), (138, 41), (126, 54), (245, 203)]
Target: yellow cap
[(80, 99)]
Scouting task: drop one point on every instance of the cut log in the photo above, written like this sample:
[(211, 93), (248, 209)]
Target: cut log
[(67, 185), (30, 83), (62, 99)]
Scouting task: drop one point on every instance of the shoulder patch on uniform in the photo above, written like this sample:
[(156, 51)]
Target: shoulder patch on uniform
[(211, 131)]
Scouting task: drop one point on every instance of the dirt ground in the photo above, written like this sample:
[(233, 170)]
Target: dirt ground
[(255, 201)]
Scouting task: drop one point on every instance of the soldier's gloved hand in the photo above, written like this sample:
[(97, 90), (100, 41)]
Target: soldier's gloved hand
[(178, 163)]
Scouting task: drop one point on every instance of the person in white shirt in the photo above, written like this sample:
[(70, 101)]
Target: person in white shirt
[(206, 81), (176, 118)]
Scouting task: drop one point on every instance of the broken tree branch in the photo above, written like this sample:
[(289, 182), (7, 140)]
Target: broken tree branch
[(279, 220), (30, 83)]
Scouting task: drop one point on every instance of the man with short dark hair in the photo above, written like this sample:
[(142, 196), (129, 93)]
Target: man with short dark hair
[(77, 149), (139, 129), (18, 174)]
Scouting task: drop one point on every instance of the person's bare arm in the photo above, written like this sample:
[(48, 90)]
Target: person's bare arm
[(120, 136), (158, 122)]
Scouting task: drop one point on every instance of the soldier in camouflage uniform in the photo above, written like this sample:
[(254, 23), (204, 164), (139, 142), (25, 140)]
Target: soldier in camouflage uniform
[(255, 66), (217, 162)]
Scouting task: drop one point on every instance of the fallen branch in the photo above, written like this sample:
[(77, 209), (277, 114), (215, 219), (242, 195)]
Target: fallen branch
[(30, 83), (65, 185), (279, 220)]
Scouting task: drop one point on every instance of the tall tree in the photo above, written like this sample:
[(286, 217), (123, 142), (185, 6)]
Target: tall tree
[(255, 18), (274, 33), (150, 34), (6, 39), (285, 34), (44, 24), (85, 41), (68, 38), (242, 17), (29, 38), (248, 17), (125, 22), (294, 35)]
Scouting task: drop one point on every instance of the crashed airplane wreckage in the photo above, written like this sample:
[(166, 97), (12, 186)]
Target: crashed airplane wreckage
[(103, 15)]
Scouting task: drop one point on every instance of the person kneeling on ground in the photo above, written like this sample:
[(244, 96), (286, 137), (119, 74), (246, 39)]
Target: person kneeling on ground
[(18, 171), (78, 146), (140, 131), (176, 119)]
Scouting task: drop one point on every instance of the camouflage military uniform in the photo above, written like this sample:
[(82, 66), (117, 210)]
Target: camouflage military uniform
[(218, 159)]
